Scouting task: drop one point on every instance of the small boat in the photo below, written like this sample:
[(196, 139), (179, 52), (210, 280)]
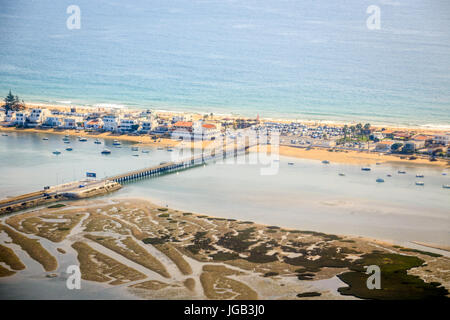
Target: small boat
[(160, 148), (380, 180), (134, 148), (135, 155), (56, 152), (419, 176), (420, 183), (290, 163), (82, 139), (116, 143), (106, 151), (325, 162), (444, 174), (66, 141), (69, 149), (342, 174), (365, 169), (169, 150), (401, 172), (145, 151), (97, 141), (378, 163), (389, 175), (4, 134), (446, 186), (45, 139)]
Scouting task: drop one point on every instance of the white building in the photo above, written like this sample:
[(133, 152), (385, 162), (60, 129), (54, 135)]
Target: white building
[(53, 121), (443, 139), (71, 122), (21, 118), (10, 117), (148, 125), (110, 123), (37, 116), (126, 125)]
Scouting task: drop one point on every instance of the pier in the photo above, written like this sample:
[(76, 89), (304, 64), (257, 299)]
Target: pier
[(90, 188)]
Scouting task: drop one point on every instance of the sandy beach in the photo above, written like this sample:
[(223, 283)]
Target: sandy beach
[(348, 157)]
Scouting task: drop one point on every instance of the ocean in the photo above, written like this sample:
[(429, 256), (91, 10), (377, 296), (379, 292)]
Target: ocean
[(305, 60)]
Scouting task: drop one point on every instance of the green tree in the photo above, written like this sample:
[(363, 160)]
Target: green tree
[(12, 102)]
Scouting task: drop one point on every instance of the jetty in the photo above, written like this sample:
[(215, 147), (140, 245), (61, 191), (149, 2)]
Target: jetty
[(90, 188)]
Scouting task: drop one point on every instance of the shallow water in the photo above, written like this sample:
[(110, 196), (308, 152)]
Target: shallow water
[(308, 195)]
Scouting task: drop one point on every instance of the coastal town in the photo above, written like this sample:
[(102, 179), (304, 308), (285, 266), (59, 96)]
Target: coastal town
[(409, 143)]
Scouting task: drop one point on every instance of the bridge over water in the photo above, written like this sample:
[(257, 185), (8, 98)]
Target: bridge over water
[(94, 188)]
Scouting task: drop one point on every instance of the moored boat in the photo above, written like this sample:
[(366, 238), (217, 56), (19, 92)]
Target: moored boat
[(365, 169), (145, 151), (380, 180), (82, 139), (56, 152), (420, 183), (342, 174), (419, 175), (446, 186), (69, 149), (401, 172), (134, 148), (116, 143), (45, 139), (97, 141), (325, 162), (106, 151)]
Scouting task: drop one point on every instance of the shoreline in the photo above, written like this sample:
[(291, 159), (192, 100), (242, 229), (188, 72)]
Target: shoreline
[(351, 157), (426, 128)]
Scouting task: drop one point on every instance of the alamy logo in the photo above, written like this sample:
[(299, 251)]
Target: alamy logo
[(74, 280), (373, 22), (74, 20), (374, 281)]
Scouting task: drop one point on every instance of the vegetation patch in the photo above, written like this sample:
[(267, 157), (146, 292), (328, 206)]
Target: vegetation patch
[(309, 294), (396, 283), (58, 205)]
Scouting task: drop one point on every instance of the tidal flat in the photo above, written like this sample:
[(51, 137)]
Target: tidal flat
[(134, 248)]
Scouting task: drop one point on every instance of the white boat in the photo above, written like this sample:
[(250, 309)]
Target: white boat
[(44, 138), (106, 151), (97, 141), (134, 148), (366, 169), (420, 183), (419, 175), (56, 152), (145, 151), (116, 143), (82, 139), (342, 174), (69, 149), (380, 180)]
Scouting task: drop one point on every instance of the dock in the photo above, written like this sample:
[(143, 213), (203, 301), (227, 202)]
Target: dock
[(90, 188)]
